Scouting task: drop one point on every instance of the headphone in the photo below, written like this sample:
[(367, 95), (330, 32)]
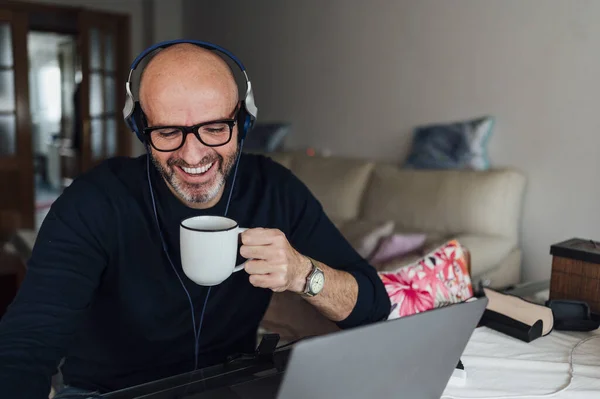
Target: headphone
[(134, 116)]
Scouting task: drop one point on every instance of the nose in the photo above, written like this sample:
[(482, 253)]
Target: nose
[(193, 151)]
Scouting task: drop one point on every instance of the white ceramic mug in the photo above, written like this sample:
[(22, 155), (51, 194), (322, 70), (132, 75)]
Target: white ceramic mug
[(209, 247)]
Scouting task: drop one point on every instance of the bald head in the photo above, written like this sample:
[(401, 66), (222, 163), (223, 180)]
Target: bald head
[(185, 84)]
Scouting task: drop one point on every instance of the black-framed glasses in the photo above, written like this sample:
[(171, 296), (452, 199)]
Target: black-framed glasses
[(172, 138)]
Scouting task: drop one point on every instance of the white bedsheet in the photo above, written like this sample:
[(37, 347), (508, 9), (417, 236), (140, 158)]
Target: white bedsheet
[(500, 366)]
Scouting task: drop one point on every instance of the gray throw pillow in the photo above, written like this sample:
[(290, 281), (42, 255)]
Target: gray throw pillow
[(458, 145)]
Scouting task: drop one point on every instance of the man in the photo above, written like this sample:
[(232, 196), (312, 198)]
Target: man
[(99, 289)]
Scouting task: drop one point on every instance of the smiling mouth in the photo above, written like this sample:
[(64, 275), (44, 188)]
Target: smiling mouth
[(197, 171)]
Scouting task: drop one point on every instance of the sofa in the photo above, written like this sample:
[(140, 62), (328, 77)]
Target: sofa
[(480, 209)]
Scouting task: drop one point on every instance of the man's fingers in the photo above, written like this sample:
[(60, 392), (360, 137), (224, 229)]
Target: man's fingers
[(260, 236), (273, 282), (265, 252), (260, 280), (257, 266)]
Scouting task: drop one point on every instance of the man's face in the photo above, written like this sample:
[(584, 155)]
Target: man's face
[(195, 173)]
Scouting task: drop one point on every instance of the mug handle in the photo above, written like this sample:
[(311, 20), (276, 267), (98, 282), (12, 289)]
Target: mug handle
[(240, 267)]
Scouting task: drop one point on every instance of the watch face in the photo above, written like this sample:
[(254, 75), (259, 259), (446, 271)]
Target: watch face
[(317, 282)]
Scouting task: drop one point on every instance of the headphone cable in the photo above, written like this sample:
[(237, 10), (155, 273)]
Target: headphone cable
[(164, 247), (197, 330)]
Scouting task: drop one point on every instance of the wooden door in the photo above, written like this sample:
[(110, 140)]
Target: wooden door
[(103, 49), (16, 153)]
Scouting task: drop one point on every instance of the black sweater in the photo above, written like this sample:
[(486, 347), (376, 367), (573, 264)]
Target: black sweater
[(100, 292)]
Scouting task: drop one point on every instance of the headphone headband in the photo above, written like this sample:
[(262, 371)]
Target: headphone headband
[(132, 112), (168, 43)]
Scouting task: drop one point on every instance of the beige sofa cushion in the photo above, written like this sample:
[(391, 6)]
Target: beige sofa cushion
[(338, 183), (364, 236), (283, 158), (486, 251), (505, 273), (448, 202)]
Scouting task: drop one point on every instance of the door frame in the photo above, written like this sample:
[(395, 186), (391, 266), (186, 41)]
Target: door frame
[(22, 160), (66, 20), (122, 63)]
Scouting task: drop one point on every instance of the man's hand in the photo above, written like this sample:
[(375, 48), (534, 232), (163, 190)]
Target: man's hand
[(272, 262)]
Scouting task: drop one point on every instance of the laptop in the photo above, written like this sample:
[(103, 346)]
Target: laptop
[(414, 356)]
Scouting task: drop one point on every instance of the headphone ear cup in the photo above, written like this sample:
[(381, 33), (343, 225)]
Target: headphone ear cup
[(245, 122), (241, 123), (138, 122), (248, 123)]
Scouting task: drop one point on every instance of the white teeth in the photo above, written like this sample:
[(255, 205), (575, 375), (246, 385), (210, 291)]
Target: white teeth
[(197, 171)]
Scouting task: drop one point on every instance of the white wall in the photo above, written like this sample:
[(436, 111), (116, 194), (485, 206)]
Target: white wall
[(355, 77), (168, 17)]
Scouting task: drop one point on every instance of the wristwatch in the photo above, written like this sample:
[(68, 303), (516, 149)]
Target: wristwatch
[(315, 280)]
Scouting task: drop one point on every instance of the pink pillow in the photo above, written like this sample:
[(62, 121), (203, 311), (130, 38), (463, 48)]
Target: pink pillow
[(438, 279), (396, 246)]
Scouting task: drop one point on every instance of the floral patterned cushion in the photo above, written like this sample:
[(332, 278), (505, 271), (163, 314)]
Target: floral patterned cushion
[(439, 278)]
